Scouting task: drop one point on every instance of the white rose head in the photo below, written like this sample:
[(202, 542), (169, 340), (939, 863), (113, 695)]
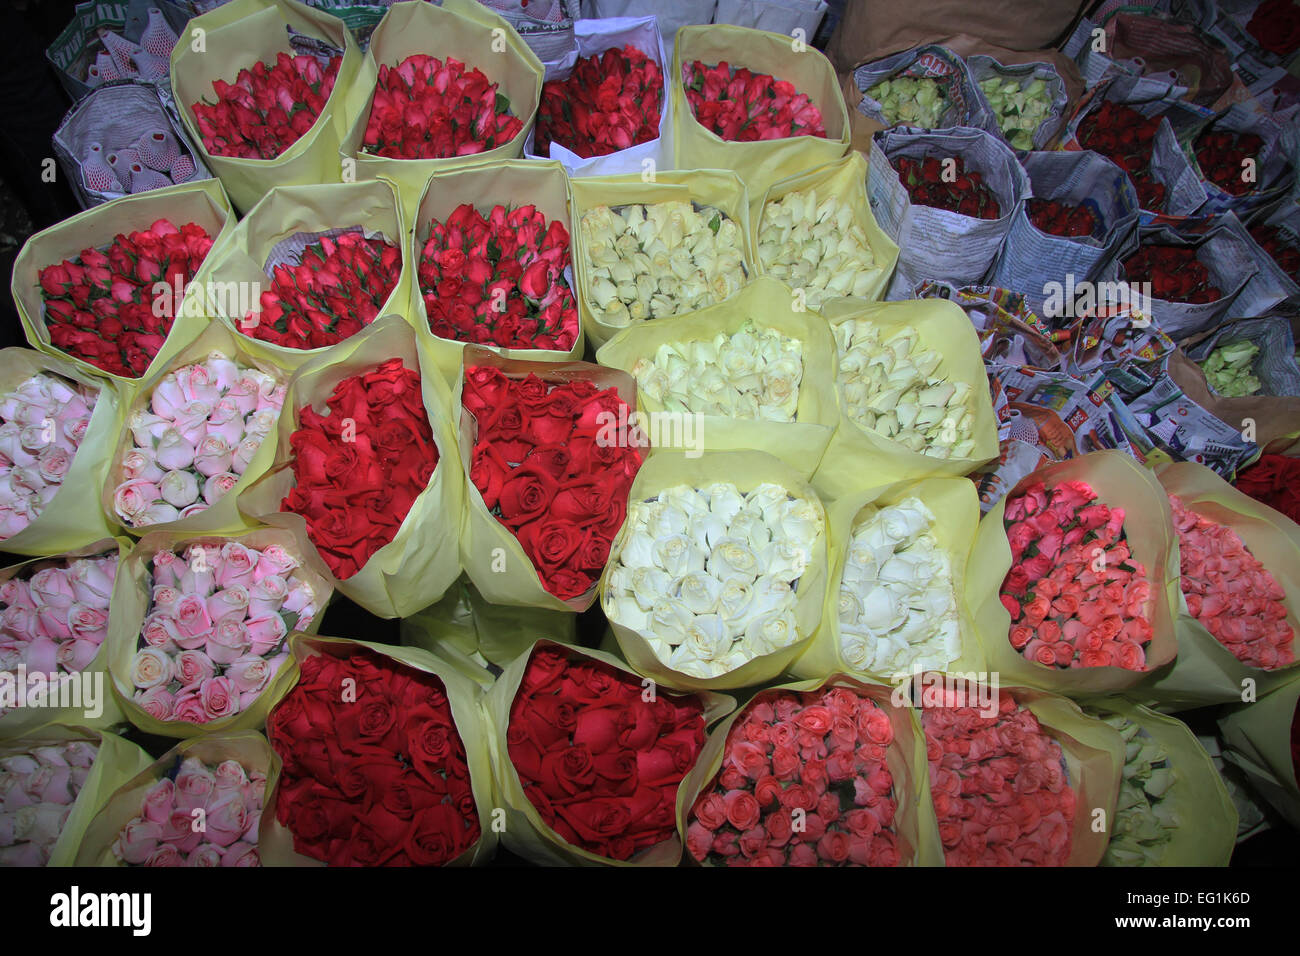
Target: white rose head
[(733, 558), (669, 620), (700, 592)]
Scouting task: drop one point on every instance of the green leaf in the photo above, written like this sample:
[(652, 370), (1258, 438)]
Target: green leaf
[(715, 223)]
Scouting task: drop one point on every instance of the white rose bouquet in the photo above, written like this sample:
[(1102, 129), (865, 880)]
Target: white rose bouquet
[(810, 241)]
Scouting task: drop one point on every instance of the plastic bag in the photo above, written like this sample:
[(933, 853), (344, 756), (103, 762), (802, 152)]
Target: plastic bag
[(1257, 740)]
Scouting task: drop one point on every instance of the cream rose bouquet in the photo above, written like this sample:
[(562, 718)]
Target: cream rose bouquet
[(811, 242)]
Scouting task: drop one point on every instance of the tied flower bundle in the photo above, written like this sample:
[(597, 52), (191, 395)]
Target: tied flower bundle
[(164, 833), (102, 307), (1061, 218), (892, 387), (1222, 157), (1274, 480), (741, 106), (600, 763), (911, 100), (1230, 591), (499, 279), (659, 260), (1076, 595), (1176, 274), (214, 635), (425, 108), (1019, 111), (898, 605), (803, 782), (610, 101), (813, 243), (43, 422), (1126, 138), (336, 289), (547, 475), (382, 780), (751, 374), (205, 423), (708, 576), (37, 791), (963, 192), (358, 469), (268, 108), (999, 784), (55, 620), (1145, 822)]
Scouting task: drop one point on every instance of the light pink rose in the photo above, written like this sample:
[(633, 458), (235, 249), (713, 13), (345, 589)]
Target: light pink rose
[(218, 485), (54, 463), (200, 573), (192, 422), (167, 567), (226, 423), (20, 622), (249, 674), (228, 602), (137, 841), (151, 668), (192, 668), (300, 596), (132, 499), (52, 588), (75, 656), (41, 654), (179, 830), (245, 452), (174, 452), (227, 817), (274, 559), (50, 785), (158, 702), (194, 784), (180, 489), (188, 708), (206, 854), (52, 621), (159, 802), (230, 641), (267, 595), (236, 565), (159, 631), (213, 455), (80, 753), (92, 579), (265, 633), (88, 623), (230, 774), (165, 855), (218, 697), (241, 854), (192, 621), (137, 465), (244, 395), (16, 593), (165, 598)]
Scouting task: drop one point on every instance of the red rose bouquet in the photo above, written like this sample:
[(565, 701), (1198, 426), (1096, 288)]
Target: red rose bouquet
[(803, 782), (999, 783), (1076, 595), (103, 307), (544, 473), (499, 280), (1126, 138), (1230, 591), (1221, 153), (337, 288), (1275, 481), (1275, 243), (1061, 218), (268, 108), (375, 770), (427, 108), (742, 106), (610, 101), (358, 469), (598, 753), (966, 194), (1176, 273)]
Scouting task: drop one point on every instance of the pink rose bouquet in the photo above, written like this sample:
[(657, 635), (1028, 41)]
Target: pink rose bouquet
[(54, 614), (1230, 591), (999, 785), (204, 424), (207, 814), (803, 783), (1076, 595), (38, 787), (42, 423), (216, 628)]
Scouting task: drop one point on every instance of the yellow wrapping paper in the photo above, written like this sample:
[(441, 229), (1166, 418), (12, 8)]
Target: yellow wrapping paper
[(22, 720), (524, 831), (858, 458), (720, 189), (236, 36), (1119, 482), (275, 841), (746, 470), (512, 183), (846, 179), (761, 163), (1206, 672), (956, 511), (73, 518), (1257, 740), (464, 625), (800, 443), (132, 600), (461, 29), (203, 202), (288, 210), (918, 834), (495, 561), (415, 568), (116, 762), (1206, 816), (126, 803), (223, 517)]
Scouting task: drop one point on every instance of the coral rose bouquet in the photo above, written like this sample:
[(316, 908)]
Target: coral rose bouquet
[(384, 761), (201, 628), (196, 436), (552, 471), (52, 782), (589, 757), (713, 583), (366, 471), (198, 805), (824, 773)]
